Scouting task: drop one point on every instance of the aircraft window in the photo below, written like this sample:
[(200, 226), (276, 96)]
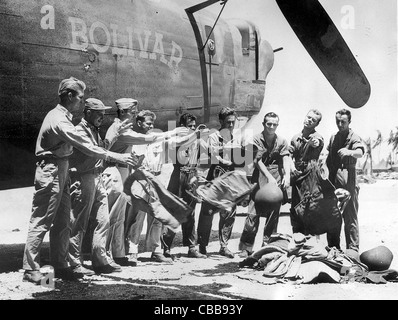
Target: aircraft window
[(245, 42), (244, 30), (207, 31)]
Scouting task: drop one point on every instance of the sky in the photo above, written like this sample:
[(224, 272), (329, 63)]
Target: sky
[(295, 84)]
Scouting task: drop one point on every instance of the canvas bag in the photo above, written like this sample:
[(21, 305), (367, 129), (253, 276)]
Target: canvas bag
[(225, 191), (318, 208), (164, 206)]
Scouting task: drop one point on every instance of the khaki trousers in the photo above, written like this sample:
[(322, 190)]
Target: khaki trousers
[(50, 212)]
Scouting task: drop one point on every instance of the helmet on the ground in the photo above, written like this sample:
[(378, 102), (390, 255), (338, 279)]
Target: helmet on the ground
[(377, 259)]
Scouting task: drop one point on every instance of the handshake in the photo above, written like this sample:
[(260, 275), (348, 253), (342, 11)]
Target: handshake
[(137, 160), (131, 159)]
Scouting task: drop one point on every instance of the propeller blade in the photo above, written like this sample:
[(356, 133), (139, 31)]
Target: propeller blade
[(324, 43)]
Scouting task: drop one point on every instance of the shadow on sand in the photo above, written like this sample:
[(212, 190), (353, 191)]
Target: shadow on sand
[(108, 288), (11, 255)]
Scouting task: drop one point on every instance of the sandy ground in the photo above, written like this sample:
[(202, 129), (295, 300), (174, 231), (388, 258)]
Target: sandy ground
[(214, 278)]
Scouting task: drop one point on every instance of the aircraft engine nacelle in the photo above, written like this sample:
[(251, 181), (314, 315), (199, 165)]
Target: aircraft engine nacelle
[(254, 59), (251, 50), (266, 59)]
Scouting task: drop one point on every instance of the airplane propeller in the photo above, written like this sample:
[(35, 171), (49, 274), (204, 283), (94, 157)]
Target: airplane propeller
[(324, 43)]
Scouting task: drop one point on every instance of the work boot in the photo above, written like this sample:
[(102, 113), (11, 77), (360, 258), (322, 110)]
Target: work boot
[(244, 254), (202, 249), (224, 251), (248, 262), (108, 268), (33, 276), (159, 257), (125, 262), (67, 274), (167, 253), (193, 253), (79, 270), (115, 265)]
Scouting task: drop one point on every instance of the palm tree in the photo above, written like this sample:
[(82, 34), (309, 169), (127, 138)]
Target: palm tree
[(370, 145), (393, 139)]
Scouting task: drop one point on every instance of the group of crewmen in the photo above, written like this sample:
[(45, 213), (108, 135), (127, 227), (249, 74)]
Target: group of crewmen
[(80, 178)]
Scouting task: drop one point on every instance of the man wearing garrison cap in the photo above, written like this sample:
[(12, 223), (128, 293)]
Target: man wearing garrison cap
[(127, 109), (127, 104), (93, 199), (51, 200)]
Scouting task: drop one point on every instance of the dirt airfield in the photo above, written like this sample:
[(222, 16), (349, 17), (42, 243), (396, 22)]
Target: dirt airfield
[(214, 278)]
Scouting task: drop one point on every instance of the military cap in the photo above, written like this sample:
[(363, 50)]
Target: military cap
[(126, 103), (95, 104)]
